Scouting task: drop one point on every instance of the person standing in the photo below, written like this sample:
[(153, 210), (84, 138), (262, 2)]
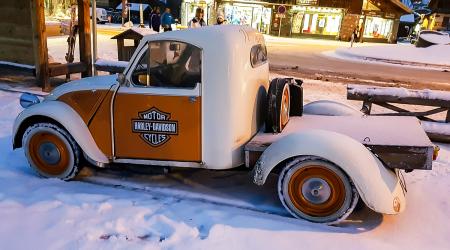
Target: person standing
[(354, 36), (197, 21), (155, 19), (167, 20), (220, 19)]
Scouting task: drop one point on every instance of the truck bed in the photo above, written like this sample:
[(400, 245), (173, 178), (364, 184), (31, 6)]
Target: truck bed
[(400, 142)]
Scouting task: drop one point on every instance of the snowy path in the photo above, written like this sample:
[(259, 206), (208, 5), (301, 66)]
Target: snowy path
[(434, 57), (40, 213)]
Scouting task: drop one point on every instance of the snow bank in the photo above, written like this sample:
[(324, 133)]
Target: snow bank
[(436, 38), (438, 55)]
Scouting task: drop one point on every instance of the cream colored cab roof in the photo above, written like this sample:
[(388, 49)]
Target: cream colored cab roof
[(211, 37)]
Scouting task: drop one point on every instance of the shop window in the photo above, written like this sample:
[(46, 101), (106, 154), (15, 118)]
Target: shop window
[(258, 55), (168, 64), (317, 21), (255, 16), (377, 27)]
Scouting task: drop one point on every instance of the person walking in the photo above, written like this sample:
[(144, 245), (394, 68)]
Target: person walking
[(155, 19), (167, 20), (354, 36), (197, 21)]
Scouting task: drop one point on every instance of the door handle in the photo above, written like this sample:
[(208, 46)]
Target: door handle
[(192, 99)]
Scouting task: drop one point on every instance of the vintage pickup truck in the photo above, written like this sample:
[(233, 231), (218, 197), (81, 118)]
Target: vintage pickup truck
[(202, 98)]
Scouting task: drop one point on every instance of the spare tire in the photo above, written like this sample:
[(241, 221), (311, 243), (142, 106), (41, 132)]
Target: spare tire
[(278, 100), (296, 108)]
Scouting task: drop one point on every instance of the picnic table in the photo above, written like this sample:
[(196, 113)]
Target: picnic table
[(388, 97)]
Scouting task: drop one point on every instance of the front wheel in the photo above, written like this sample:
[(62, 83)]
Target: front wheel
[(316, 190), (51, 151)]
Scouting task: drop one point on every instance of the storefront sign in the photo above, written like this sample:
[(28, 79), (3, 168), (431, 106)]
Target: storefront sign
[(307, 2), (373, 13)]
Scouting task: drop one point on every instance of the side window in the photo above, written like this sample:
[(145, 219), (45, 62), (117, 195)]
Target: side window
[(168, 64), (258, 55)]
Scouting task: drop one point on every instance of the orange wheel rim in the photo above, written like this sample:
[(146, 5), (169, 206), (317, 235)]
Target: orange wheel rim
[(285, 105), (49, 153), (306, 186)]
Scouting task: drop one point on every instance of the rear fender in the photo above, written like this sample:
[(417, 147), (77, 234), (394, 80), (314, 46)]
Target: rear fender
[(330, 108), (69, 119), (378, 187)]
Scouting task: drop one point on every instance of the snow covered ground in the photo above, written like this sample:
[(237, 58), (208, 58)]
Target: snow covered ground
[(406, 53), (198, 209)]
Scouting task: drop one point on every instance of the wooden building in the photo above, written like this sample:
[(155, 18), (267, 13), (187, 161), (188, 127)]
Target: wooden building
[(377, 20), (23, 40), (440, 17)]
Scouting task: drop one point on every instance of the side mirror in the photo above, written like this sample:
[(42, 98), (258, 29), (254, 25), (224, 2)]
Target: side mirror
[(28, 100), (121, 78)]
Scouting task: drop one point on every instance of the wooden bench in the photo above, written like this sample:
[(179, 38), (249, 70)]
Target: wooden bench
[(386, 97)]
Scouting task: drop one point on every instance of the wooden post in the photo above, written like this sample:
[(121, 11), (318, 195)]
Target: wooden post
[(120, 49), (94, 32), (40, 44), (366, 107), (84, 24)]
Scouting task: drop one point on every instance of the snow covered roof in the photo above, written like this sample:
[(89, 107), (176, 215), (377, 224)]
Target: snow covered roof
[(212, 37), (134, 6), (134, 33), (407, 18), (401, 5)]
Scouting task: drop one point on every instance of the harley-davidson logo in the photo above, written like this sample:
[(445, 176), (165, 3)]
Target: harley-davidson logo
[(155, 126)]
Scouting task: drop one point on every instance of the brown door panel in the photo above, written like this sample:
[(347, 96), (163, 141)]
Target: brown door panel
[(100, 125), (154, 127)]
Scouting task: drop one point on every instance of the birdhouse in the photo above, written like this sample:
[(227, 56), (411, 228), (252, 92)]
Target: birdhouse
[(128, 41)]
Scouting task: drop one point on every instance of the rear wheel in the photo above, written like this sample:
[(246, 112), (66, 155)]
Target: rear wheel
[(316, 190), (51, 151)]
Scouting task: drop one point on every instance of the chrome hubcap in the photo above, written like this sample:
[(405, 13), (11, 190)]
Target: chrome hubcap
[(49, 153), (316, 190)]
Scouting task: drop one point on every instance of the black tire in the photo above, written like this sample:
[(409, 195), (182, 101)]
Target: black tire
[(296, 100), (51, 151), (278, 105), (316, 190)]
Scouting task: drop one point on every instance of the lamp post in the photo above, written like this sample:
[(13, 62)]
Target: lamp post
[(141, 15)]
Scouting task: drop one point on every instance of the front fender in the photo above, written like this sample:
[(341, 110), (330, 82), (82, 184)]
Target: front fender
[(378, 187), (69, 119)]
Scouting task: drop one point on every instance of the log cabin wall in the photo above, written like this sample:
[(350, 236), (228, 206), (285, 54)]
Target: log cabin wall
[(23, 39), (16, 32)]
